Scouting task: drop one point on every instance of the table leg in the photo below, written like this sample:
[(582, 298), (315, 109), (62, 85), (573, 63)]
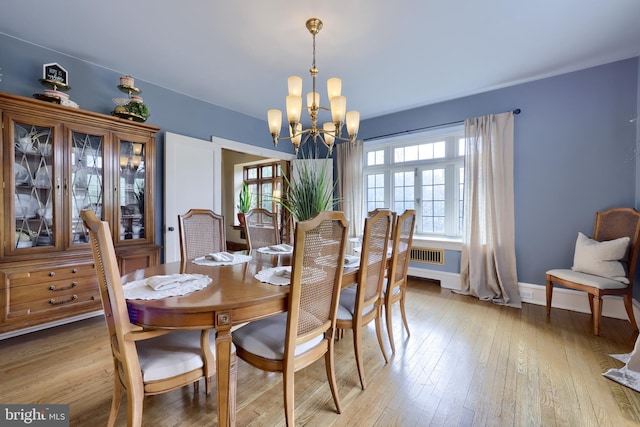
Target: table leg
[(225, 372)]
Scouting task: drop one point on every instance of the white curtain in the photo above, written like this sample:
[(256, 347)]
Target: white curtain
[(488, 262), (350, 164)]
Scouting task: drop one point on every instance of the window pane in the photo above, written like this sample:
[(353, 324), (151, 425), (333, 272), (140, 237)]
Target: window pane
[(426, 151), (375, 190), (267, 171), (439, 150), (252, 173), (433, 196), (375, 158), (411, 153), (398, 155)]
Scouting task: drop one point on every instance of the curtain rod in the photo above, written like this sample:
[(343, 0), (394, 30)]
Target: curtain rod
[(516, 111)]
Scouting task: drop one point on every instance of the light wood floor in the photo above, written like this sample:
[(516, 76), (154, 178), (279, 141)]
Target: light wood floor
[(467, 363)]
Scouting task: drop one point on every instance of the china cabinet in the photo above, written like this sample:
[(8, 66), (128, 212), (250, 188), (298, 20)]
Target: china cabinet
[(57, 161)]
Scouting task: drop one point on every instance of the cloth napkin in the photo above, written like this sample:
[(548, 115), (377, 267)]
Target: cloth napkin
[(350, 260), (159, 283), (220, 257), (209, 260), (281, 248), (283, 272)]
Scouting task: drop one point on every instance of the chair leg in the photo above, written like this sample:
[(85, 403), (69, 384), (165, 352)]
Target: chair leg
[(330, 366), (287, 382), (628, 305), (549, 295), (379, 334), (134, 403), (357, 346), (596, 311), (115, 401), (387, 312), (403, 312)]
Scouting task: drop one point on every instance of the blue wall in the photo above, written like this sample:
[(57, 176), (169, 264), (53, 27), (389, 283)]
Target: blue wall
[(574, 154), (574, 145)]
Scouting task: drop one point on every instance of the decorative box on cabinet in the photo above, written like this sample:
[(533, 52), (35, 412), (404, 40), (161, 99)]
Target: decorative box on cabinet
[(57, 161)]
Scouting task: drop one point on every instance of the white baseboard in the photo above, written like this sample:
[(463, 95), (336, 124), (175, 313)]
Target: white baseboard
[(568, 299), (447, 280)]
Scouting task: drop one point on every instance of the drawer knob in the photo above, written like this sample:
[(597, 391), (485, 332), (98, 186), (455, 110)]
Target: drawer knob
[(75, 270), (64, 288), (54, 302), (53, 273)]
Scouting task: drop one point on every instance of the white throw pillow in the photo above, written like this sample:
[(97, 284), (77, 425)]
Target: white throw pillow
[(601, 258)]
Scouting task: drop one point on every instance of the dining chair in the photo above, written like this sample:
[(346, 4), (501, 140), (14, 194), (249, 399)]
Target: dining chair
[(202, 232), (395, 288), (362, 303), (261, 228), (293, 340), (145, 362), (604, 265)]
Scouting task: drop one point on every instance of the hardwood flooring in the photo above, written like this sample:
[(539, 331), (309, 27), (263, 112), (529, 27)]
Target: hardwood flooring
[(466, 363)]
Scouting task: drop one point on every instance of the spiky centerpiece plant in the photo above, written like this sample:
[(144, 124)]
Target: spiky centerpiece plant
[(310, 192)]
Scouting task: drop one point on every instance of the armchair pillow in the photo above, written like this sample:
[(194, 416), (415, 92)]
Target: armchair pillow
[(601, 258)]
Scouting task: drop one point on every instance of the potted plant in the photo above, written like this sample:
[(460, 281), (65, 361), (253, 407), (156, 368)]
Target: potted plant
[(310, 192), (138, 108), (244, 202)]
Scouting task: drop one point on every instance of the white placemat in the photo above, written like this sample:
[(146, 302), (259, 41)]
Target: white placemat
[(237, 259), (279, 276), (282, 249), (184, 284)]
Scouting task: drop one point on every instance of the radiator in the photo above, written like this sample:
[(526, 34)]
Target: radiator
[(427, 255)]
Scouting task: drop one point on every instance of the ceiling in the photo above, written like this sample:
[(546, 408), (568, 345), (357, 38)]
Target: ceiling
[(390, 55)]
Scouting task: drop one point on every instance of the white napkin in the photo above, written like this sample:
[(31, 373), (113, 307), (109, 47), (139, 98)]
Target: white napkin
[(281, 248), (159, 283), (350, 260), (220, 257), (283, 272)]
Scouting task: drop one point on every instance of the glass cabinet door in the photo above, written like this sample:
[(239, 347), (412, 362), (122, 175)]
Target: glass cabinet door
[(86, 188), (132, 185), (34, 186)]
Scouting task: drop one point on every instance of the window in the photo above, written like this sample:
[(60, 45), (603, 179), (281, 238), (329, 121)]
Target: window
[(422, 171), (265, 184)]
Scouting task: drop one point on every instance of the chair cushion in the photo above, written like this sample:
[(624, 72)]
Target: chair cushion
[(171, 354), (586, 279), (601, 258), (347, 304), (266, 338)]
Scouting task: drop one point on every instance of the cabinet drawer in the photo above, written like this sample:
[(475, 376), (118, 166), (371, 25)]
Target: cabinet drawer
[(50, 296), (51, 274)]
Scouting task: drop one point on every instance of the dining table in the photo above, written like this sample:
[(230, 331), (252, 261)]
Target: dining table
[(233, 297)]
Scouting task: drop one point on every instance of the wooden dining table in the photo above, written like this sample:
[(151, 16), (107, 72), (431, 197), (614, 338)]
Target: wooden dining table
[(233, 297)]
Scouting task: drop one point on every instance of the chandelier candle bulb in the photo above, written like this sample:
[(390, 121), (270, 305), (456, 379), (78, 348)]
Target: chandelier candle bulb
[(338, 108), (295, 86), (275, 121), (353, 123), (334, 87), (329, 133), (311, 102), (294, 108)]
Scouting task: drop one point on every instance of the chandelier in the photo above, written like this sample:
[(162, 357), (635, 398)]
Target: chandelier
[(331, 131)]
